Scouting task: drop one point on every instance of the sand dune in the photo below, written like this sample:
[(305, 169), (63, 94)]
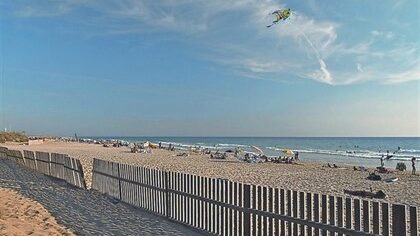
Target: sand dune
[(22, 216)]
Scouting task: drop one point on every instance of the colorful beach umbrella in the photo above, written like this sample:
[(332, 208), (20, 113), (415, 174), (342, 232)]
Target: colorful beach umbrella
[(288, 152)]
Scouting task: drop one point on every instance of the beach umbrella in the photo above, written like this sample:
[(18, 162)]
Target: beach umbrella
[(288, 152)]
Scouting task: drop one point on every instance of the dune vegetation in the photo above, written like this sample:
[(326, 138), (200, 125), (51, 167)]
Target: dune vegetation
[(13, 137)]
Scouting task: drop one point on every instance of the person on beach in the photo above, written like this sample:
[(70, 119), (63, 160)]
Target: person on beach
[(296, 156), (360, 193), (413, 165), (382, 160)]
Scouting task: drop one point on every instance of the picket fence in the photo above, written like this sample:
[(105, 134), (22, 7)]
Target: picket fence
[(222, 207), (56, 165)]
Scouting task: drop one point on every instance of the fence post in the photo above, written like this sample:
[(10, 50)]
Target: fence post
[(119, 180), (168, 203), (49, 164), (247, 205)]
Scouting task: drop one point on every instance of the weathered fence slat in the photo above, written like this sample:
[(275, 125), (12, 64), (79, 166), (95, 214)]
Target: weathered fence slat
[(277, 211), (282, 211), (331, 207), (241, 203), (309, 212), (30, 159), (219, 216), (235, 201), (340, 218), (213, 206), (316, 212), (259, 202), (357, 214), (289, 212), (263, 207), (366, 216), (246, 204), (302, 211), (254, 206), (270, 221), (375, 217), (385, 219), (324, 208), (295, 212), (398, 220), (349, 211), (43, 162), (413, 221)]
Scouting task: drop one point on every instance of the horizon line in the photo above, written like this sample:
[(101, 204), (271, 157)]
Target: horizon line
[(180, 136)]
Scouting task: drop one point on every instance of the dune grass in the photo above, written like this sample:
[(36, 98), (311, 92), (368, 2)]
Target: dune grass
[(13, 137)]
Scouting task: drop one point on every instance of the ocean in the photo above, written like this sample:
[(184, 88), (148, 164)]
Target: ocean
[(355, 151)]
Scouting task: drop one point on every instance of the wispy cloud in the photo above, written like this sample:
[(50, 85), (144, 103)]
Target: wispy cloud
[(48, 8), (234, 33), (409, 75)]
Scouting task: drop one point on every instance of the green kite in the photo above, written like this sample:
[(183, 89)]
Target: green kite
[(282, 14)]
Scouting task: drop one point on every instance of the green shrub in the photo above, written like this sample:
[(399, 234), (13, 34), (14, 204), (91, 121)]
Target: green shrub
[(401, 166)]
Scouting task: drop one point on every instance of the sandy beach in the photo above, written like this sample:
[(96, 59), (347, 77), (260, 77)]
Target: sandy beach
[(309, 177), (22, 216)]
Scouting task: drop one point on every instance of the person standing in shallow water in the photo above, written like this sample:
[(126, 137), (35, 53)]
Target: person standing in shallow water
[(382, 160), (413, 165)]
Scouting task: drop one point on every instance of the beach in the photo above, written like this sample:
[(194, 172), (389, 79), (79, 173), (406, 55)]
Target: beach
[(20, 215), (32, 204), (304, 176)]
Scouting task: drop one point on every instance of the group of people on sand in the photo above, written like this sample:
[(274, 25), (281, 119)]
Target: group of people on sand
[(332, 166), (285, 159), (413, 165), (218, 155), (361, 193)]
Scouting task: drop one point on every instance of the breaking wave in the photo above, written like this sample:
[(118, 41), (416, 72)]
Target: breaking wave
[(403, 155)]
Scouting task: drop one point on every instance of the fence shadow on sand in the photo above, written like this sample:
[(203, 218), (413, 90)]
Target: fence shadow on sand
[(85, 212)]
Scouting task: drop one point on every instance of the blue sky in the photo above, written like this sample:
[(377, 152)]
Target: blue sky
[(210, 68)]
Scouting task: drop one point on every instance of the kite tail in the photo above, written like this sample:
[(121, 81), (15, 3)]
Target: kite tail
[(274, 22)]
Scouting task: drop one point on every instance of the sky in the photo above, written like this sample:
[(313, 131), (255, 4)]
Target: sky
[(210, 68)]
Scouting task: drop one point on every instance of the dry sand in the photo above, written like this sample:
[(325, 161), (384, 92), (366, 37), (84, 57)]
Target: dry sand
[(309, 177), (22, 216)]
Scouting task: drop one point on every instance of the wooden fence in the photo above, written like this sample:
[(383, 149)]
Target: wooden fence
[(16, 155), (222, 207), (29, 158), (56, 165), (3, 151)]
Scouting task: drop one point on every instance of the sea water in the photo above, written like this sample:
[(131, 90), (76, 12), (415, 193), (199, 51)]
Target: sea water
[(355, 151)]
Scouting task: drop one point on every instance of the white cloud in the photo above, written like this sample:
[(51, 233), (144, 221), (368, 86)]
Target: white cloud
[(48, 8), (386, 34), (322, 75)]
